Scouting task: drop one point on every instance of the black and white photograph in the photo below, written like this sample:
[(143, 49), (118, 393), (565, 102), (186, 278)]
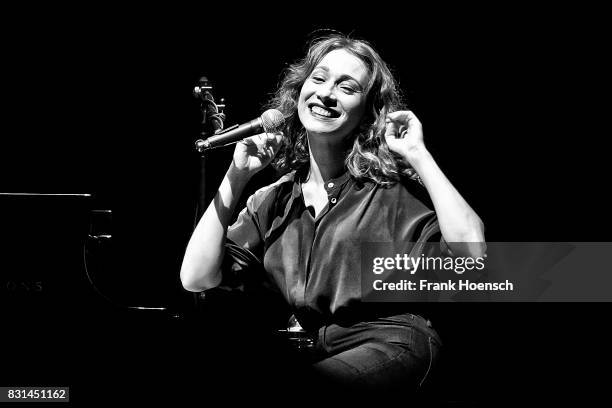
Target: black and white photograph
[(311, 204)]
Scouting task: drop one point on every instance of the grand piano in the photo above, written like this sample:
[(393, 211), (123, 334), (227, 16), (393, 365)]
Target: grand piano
[(63, 320), (67, 319)]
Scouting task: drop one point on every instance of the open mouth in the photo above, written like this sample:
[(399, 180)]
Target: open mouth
[(323, 112)]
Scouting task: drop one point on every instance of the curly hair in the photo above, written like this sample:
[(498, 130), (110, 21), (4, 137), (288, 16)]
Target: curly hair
[(370, 157)]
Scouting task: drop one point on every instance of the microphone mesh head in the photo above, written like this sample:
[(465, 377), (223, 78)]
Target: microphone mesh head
[(272, 120)]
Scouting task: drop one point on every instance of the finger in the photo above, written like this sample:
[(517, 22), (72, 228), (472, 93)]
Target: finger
[(259, 139), (276, 143), (391, 128), (247, 145), (252, 145), (256, 139), (274, 139), (401, 116), (279, 137), (265, 137), (249, 141)]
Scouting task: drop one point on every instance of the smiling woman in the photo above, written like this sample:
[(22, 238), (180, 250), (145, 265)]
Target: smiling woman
[(351, 156), (332, 100), (349, 81)]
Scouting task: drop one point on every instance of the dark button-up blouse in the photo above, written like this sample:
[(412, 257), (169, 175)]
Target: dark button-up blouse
[(315, 262)]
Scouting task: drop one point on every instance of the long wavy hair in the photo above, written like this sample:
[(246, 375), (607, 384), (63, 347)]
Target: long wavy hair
[(369, 157)]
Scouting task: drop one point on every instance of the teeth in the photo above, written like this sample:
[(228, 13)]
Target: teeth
[(320, 111)]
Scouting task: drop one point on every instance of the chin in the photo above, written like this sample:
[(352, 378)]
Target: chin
[(321, 130), (315, 126)]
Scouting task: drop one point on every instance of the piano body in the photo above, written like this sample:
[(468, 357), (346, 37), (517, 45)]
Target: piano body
[(60, 324)]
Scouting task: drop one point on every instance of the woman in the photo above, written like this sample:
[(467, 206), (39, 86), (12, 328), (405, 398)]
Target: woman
[(355, 159)]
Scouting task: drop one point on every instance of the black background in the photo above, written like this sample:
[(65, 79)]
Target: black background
[(98, 100)]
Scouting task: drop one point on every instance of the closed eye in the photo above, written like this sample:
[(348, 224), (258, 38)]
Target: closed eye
[(348, 89)]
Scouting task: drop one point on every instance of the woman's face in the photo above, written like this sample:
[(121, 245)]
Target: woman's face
[(333, 98)]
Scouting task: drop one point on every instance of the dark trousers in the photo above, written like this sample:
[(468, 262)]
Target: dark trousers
[(396, 353)]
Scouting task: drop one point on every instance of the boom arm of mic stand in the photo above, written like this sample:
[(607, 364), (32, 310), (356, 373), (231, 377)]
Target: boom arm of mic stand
[(201, 144)]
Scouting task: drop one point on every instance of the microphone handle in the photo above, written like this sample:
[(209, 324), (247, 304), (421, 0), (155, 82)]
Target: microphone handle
[(231, 135)]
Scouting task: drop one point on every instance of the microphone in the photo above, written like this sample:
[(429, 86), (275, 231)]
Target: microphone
[(269, 122)]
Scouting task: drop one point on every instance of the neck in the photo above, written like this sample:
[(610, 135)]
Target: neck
[(326, 159)]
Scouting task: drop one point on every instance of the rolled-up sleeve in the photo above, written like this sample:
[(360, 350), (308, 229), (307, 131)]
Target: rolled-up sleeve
[(431, 237), (243, 262), (418, 223), (246, 231)]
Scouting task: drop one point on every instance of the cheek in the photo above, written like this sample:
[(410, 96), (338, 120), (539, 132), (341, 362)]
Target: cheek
[(305, 93), (356, 109), (301, 105)]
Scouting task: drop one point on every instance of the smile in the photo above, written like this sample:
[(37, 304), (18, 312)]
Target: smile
[(319, 111)]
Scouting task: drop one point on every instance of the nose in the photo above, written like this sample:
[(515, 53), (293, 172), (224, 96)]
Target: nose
[(325, 93)]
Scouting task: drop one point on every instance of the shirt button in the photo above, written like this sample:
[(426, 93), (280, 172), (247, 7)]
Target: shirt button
[(330, 185), (333, 200)]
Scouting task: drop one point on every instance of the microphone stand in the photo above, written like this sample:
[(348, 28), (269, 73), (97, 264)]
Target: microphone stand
[(212, 124)]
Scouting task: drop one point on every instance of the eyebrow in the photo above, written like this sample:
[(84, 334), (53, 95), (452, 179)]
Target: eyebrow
[(342, 77)]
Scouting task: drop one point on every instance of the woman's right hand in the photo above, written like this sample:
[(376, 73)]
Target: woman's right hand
[(256, 152), (201, 267)]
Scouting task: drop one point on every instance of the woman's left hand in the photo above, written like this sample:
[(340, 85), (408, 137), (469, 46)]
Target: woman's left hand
[(404, 134)]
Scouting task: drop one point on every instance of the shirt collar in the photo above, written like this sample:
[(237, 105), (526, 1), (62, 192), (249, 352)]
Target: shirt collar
[(336, 188), (332, 184)]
